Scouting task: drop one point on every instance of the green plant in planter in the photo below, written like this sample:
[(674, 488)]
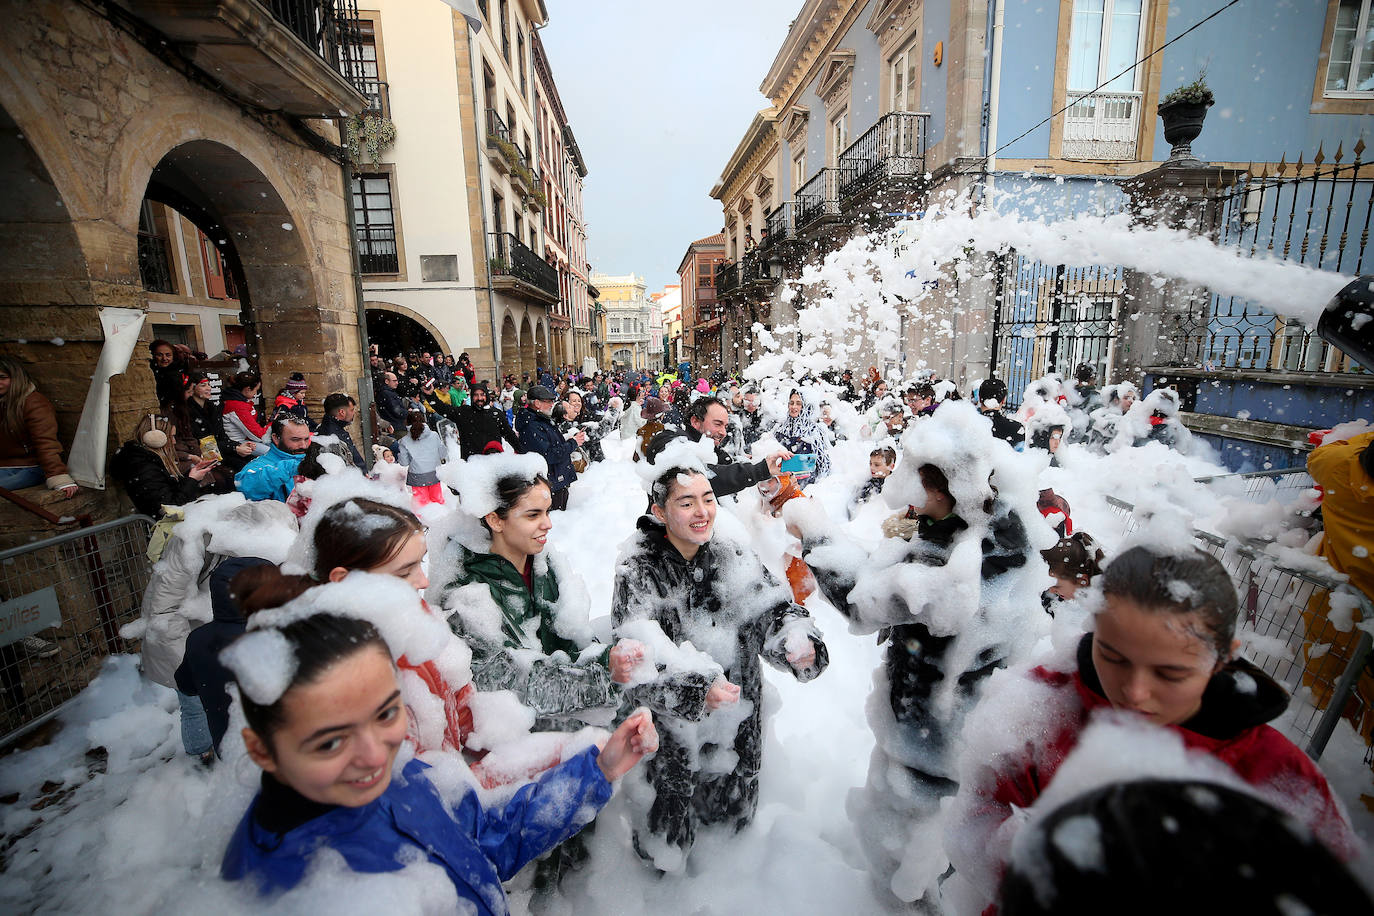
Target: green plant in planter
[(368, 135), (1194, 93), (497, 267), (539, 199)]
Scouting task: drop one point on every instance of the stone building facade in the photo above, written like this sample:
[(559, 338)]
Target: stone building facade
[(104, 106)]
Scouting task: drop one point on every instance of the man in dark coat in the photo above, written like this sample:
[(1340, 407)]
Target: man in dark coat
[(391, 407), (709, 417), (339, 411), (480, 424), (534, 425)]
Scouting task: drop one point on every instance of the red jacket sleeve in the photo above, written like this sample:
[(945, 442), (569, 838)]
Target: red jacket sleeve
[(244, 411)]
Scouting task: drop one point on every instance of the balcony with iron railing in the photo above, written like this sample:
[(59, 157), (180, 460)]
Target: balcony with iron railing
[(294, 56), (727, 279), (377, 252), (777, 226), (818, 200), (515, 268), (378, 98), (893, 149), (507, 156), (1101, 126)]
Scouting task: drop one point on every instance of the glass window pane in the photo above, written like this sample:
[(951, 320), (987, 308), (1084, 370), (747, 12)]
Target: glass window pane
[(1085, 44), (1123, 44), (1343, 46), (912, 62)]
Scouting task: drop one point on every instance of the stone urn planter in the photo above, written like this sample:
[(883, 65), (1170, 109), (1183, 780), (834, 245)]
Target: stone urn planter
[(1182, 124)]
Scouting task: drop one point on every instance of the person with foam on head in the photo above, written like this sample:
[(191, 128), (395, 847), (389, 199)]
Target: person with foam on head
[(1163, 654), (680, 580), (953, 594), (326, 723)]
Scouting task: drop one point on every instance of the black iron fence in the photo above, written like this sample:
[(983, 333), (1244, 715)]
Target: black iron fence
[(727, 278), (818, 199), (511, 257), (777, 226), (330, 29), (893, 148), (1052, 318), (377, 252), (1318, 215)]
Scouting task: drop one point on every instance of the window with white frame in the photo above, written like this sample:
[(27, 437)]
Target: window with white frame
[(799, 168), (1350, 65), (1105, 42), (906, 77), (839, 136)]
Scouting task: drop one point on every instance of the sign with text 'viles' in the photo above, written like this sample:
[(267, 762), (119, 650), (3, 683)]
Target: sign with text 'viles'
[(29, 614)]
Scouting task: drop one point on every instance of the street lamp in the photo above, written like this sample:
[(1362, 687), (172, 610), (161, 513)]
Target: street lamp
[(774, 265)]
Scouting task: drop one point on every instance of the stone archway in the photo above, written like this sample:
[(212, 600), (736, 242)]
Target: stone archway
[(542, 356), (510, 348), (528, 349), (45, 267), (403, 330)]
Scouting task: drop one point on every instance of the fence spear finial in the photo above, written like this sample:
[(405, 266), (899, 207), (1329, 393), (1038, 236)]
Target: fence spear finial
[(1340, 152), (1320, 157)]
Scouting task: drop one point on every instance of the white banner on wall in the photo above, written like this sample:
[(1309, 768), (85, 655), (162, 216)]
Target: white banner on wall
[(86, 459)]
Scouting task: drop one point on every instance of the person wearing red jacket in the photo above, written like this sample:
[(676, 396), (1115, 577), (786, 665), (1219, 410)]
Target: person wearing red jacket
[(1164, 648)]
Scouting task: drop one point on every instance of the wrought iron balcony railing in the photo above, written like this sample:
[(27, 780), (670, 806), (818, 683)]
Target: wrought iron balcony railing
[(818, 198), (511, 257), (378, 98), (894, 147), (777, 226), (377, 252), (1104, 125)]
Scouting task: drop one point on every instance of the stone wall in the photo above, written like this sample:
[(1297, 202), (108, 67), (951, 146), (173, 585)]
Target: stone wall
[(90, 117)]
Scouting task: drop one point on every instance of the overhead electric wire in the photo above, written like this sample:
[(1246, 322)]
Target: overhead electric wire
[(1210, 16)]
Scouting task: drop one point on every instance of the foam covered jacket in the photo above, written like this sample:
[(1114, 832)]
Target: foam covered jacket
[(554, 687), (727, 477), (654, 581), (538, 434), (916, 659), (270, 476), (1230, 726), (332, 427), (478, 847)]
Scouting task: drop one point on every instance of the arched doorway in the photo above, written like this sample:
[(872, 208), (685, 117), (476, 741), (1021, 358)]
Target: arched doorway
[(33, 211), (528, 360), (623, 358), (240, 211), (510, 348), (541, 345), (395, 330)]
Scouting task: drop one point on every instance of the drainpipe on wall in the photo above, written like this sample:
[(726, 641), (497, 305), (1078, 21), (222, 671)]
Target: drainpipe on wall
[(994, 93), (365, 381), (482, 206)]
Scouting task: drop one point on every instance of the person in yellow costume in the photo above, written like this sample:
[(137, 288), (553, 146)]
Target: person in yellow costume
[(1344, 469)]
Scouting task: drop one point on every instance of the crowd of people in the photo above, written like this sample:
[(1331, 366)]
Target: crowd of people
[(418, 595)]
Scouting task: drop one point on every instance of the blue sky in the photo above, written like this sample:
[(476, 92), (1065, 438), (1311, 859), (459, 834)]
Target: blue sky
[(658, 96)]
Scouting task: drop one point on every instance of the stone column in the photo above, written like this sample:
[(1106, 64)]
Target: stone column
[(1165, 323)]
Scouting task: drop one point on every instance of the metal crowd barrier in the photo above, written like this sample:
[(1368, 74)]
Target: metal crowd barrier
[(1284, 607), (1260, 484), (74, 591)]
